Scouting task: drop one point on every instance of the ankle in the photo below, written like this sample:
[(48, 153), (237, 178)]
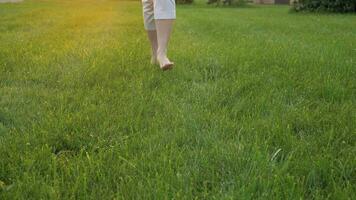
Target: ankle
[(161, 56)]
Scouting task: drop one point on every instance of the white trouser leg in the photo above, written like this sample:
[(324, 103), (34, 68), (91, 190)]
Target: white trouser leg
[(157, 9)]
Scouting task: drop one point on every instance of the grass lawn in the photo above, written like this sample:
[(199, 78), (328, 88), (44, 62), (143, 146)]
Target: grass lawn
[(260, 105)]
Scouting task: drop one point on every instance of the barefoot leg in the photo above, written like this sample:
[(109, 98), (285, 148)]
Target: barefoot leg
[(164, 29), (152, 36)]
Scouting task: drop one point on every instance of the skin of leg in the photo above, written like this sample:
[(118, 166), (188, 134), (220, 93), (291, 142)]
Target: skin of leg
[(150, 26), (164, 29), (152, 36)]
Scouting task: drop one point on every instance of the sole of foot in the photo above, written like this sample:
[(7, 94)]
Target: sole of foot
[(168, 66)]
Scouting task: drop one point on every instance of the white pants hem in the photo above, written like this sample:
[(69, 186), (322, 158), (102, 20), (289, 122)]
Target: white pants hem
[(156, 10)]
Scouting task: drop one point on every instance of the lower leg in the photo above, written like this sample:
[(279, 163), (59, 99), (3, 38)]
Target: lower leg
[(152, 36), (164, 29)]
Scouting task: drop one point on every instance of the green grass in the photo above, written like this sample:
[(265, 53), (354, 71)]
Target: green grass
[(260, 105)]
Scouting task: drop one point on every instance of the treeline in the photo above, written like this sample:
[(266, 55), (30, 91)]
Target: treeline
[(325, 5), (341, 6), (218, 2), (184, 1)]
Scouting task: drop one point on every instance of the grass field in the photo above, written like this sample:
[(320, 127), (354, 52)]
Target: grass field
[(260, 105)]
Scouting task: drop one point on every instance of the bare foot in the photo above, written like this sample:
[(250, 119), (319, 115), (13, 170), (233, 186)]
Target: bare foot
[(164, 63), (154, 60)]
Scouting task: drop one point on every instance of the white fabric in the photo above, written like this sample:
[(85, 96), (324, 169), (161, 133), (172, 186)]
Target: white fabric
[(157, 9)]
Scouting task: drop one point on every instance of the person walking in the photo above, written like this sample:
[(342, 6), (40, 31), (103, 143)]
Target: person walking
[(159, 16)]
